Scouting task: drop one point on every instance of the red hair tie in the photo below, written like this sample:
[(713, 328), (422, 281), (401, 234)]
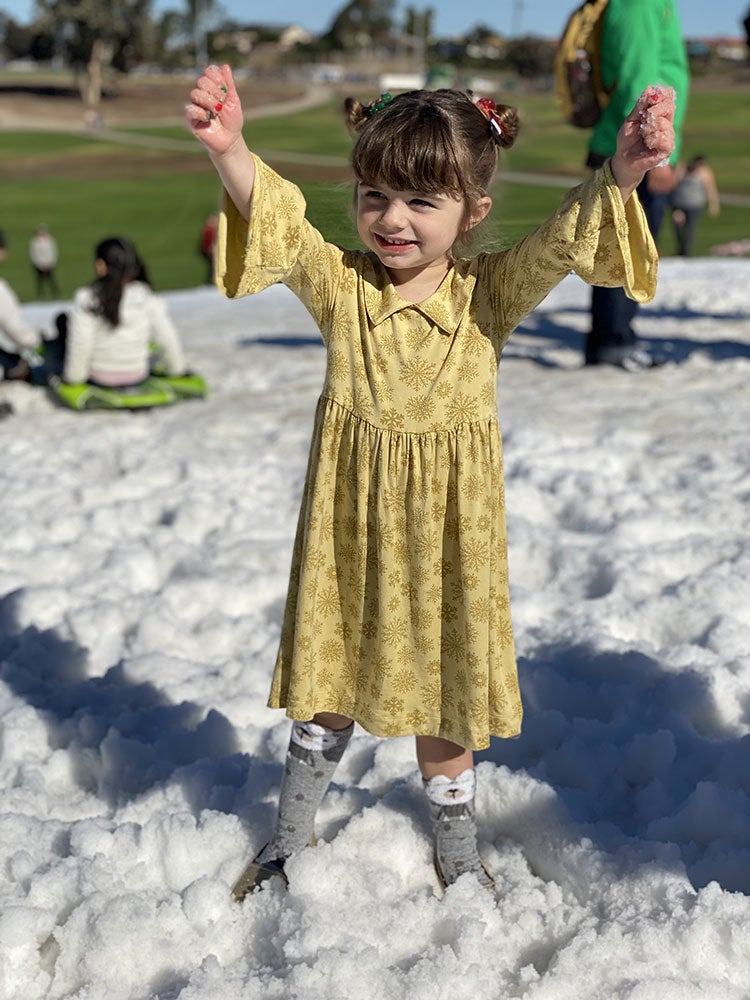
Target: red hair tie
[(489, 110)]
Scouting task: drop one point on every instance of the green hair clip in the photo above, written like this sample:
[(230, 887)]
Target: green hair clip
[(378, 104)]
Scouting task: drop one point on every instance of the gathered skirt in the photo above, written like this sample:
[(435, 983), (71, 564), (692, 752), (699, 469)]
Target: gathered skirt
[(398, 611)]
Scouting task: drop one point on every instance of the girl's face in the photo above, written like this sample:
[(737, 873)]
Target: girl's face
[(411, 231)]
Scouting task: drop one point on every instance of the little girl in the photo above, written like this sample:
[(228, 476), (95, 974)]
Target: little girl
[(398, 609)]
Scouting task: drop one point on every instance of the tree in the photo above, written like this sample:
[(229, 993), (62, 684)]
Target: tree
[(199, 17), (418, 23), (362, 24), (530, 56), (96, 37), (418, 32)]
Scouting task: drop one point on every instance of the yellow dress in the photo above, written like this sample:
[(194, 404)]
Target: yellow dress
[(398, 611)]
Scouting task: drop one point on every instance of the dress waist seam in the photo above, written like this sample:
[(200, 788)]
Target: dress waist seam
[(489, 421)]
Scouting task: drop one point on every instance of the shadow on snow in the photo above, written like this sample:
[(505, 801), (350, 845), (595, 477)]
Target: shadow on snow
[(124, 737), (540, 331), (637, 757), (634, 756)]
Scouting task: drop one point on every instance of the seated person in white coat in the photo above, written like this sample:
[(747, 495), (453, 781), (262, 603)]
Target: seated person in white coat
[(114, 322), (17, 339)]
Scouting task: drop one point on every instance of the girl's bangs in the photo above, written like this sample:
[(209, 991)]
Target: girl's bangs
[(418, 159)]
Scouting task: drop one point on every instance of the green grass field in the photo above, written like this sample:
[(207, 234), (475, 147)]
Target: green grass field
[(85, 189)]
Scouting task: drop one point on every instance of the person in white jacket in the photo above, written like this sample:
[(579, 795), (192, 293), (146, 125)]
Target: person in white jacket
[(114, 322), (18, 340)]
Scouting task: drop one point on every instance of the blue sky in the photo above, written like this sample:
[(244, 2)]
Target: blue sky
[(539, 17)]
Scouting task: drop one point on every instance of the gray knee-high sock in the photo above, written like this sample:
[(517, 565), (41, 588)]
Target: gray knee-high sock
[(452, 814), (314, 751)]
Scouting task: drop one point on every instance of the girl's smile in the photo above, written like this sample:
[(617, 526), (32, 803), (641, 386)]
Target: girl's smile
[(394, 246)]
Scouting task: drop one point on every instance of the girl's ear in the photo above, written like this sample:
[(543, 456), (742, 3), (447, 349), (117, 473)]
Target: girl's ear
[(479, 211)]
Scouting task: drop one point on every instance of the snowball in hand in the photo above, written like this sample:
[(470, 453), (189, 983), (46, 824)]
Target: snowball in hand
[(655, 108)]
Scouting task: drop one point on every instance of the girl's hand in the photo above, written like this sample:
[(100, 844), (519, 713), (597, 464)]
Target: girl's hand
[(214, 114), (646, 137)]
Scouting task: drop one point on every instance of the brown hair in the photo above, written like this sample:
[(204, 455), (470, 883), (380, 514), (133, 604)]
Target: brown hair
[(123, 265), (431, 141)]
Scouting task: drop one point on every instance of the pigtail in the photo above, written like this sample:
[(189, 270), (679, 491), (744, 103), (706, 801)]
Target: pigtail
[(355, 114), (509, 121), (502, 119)]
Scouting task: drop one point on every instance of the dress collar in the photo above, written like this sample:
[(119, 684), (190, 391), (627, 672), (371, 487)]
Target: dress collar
[(444, 308)]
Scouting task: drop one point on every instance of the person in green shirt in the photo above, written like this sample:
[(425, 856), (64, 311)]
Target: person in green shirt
[(641, 44)]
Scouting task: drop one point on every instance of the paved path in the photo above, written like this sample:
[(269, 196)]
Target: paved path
[(314, 99)]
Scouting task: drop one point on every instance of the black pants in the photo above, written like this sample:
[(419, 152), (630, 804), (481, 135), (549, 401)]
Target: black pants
[(54, 349), (14, 367), (612, 312)]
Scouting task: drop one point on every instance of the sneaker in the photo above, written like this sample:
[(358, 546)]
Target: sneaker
[(631, 359), (256, 873)]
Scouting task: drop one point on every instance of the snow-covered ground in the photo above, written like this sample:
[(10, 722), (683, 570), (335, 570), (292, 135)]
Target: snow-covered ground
[(142, 574)]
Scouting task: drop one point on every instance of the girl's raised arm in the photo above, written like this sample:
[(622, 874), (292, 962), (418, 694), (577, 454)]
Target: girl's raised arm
[(214, 116), (645, 139)]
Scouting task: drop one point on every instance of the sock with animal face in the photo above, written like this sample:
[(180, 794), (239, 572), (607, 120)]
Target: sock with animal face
[(313, 754), (452, 813)]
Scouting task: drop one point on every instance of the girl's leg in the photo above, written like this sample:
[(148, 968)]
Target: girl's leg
[(315, 748), (449, 782), (438, 756)]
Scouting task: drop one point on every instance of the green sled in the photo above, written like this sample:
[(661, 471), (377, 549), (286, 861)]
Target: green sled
[(156, 390)]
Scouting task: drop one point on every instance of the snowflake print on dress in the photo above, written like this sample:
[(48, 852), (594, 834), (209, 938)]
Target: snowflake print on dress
[(398, 607)]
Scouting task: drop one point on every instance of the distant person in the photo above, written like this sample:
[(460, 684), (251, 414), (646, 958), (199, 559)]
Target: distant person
[(18, 341), (694, 192), (208, 243), (43, 254), (397, 615), (746, 26), (641, 44), (107, 337)]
